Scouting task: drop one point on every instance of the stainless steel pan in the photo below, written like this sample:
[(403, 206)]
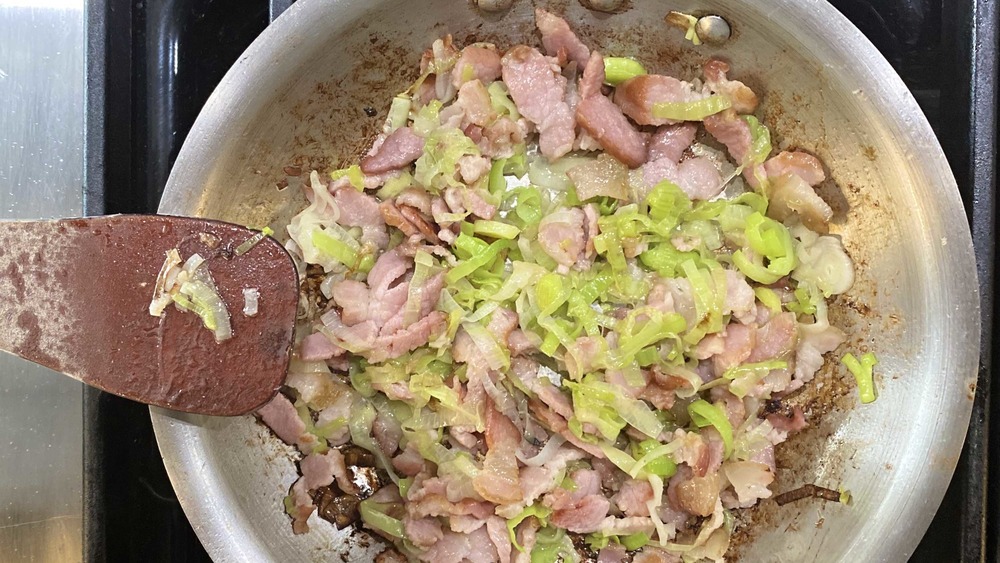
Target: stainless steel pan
[(297, 97)]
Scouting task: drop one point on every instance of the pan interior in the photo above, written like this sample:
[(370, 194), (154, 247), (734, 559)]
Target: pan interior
[(298, 97)]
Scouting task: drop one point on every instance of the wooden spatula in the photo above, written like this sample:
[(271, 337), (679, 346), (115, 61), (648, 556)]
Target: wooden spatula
[(75, 296)]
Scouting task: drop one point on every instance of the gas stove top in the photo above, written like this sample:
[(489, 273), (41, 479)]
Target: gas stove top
[(152, 64)]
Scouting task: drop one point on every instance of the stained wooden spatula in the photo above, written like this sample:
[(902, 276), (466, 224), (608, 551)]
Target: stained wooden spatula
[(75, 297)]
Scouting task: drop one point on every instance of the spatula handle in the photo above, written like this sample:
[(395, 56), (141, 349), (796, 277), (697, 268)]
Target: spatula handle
[(37, 267), (75, 294)]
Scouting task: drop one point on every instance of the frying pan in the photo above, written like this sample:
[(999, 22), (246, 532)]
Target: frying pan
[(298, 96)]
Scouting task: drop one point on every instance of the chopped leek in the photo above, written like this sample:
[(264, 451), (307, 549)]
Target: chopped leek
[(597, 541), (769, 298), (495, 229), (492, 353), (253, 241), (823, 262), (526, 202), (344, 250), (635, 541), (552, 545), (603, 406), (481, 258), (691, 111), (501, 102), (667, 202), (770, 240), (374, 516), (551, 293), (394, 186), (620, 69), (704, 414), (202, 298), (621, 459), (644, 327), (404, 486), (653, 458), (537, 510), (399, 113), (709, 288), (353, 174), (745, 377), (165, 283), (805, 301), (523, 275), (191, 288), (436, 168), (760, 141), (427, 118), (862, 371), (498, 184), (665, 259), (363, 415)]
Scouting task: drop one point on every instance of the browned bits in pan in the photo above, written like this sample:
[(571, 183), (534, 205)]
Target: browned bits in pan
[(335, 507)]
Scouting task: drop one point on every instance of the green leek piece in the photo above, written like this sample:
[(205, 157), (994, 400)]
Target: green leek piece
[(657, 463), (705, 414), (863, 374), (353, 174), (374, 516), (341, 250), (537, 510), (697, 110), (620, 69)]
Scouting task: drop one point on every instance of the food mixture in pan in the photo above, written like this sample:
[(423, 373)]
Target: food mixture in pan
[(555, 311)]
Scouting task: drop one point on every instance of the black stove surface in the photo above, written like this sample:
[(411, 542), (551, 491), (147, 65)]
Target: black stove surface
[(153, 63)]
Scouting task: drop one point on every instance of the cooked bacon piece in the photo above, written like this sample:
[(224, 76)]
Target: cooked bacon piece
[(593, 76), (606, 123), (561, 235), (604, 177), (698, 177), (749, 480), (632, 497), (280, 416), (743, 98), (670, 141), (776, 339), (559, 39), (409, 462), (788, 424), (499, 481), (583, 509), (792, 176), (352, 296), (612, 553), (814, 341), (698, 495), (476, 62), (400, 149), (360, 210), (801, 164), (729, 129), (423, 532), (539, 93)]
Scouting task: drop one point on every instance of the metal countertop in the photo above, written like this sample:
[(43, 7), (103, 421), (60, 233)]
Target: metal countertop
[(41, 175)]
